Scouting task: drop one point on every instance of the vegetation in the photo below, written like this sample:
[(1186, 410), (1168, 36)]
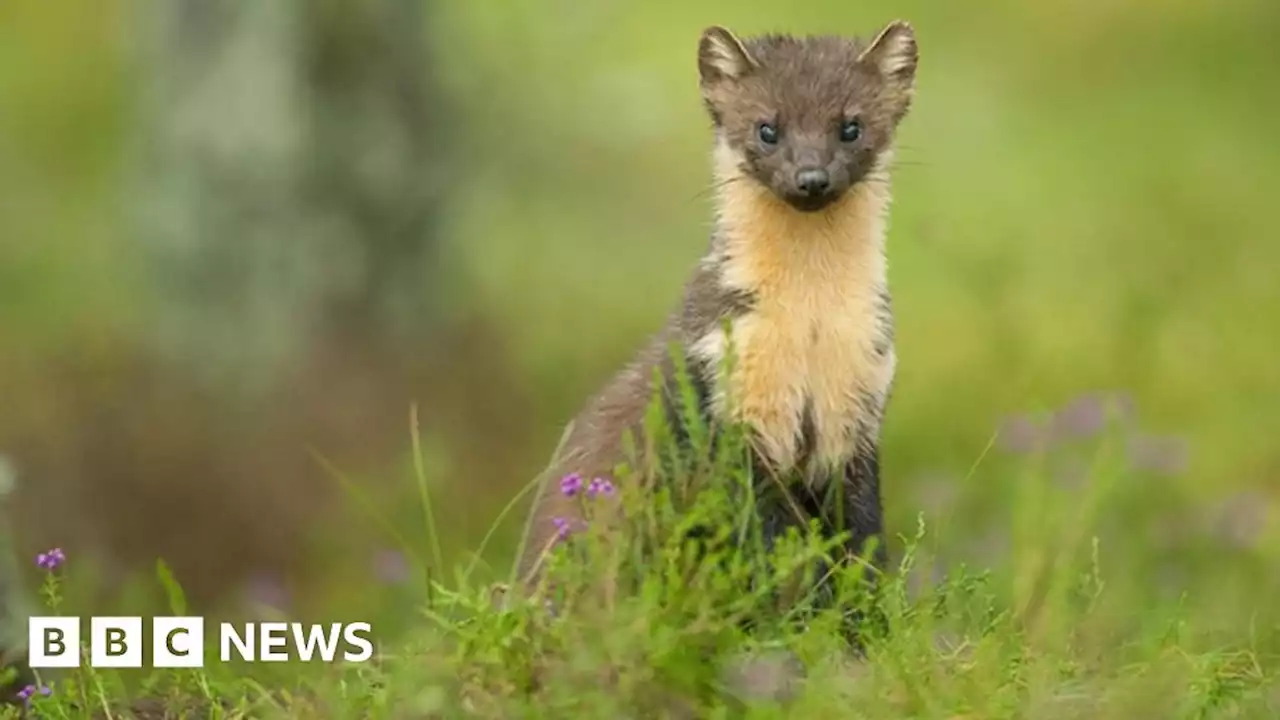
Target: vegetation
[(639, 614), (1082, 261)]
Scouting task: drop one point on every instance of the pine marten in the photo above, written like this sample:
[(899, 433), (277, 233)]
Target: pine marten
[(804, 135)]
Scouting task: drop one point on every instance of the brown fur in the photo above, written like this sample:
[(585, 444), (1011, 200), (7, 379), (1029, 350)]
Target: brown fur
[(801, 281)]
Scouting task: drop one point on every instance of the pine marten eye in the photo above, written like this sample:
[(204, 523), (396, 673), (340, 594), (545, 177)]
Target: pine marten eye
[(768, 133), (850, 130)]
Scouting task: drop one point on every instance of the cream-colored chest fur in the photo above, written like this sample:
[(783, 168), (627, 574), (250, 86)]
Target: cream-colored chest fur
[(809, 341)]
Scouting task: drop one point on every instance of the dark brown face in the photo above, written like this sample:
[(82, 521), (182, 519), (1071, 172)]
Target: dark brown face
[(808, 117)]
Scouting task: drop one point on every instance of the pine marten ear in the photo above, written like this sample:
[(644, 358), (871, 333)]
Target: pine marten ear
[(895, 55), (722, 56)]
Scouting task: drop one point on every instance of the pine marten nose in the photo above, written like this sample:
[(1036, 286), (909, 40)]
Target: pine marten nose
[(813, 181)]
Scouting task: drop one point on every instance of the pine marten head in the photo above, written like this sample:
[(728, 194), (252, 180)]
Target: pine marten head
[(808, 118)]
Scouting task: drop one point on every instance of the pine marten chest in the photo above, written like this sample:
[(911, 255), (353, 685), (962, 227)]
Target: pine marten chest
[(812, 353)]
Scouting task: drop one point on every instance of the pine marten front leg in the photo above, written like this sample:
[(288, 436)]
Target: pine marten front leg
[(849, 505)]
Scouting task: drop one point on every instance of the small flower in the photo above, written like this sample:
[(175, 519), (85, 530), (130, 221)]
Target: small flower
[(599, 486), (937, 492), (1020, 434), (571, 484), (31, 691), (51, 560), (267, 591), (391, 567), (563, 528), (1082, 418)]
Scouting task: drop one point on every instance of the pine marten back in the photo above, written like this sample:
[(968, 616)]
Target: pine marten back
[(804, 130)]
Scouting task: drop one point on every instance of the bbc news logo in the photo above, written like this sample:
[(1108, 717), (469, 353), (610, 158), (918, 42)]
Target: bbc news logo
[(179, 642)]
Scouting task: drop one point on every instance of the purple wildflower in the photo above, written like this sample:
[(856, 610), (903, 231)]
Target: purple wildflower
[(51, 560), (267, 590), (1083, 417), (391, 567), (563, 528), (937, 492), (30, 691), (599, 486), (1021, 434), (571, 484)]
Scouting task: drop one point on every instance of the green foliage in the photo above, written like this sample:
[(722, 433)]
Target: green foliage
[(1083, 199), (668, 643), (172, 590), (640, 614)]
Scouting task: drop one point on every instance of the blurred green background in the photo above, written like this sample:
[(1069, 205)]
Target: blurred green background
[(234, 238)]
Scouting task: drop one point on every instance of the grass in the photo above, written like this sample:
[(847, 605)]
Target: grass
[(653, 626), (1075, 210)]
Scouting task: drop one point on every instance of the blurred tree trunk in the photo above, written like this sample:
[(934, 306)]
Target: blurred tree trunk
[(293, 156), (290, 156)]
